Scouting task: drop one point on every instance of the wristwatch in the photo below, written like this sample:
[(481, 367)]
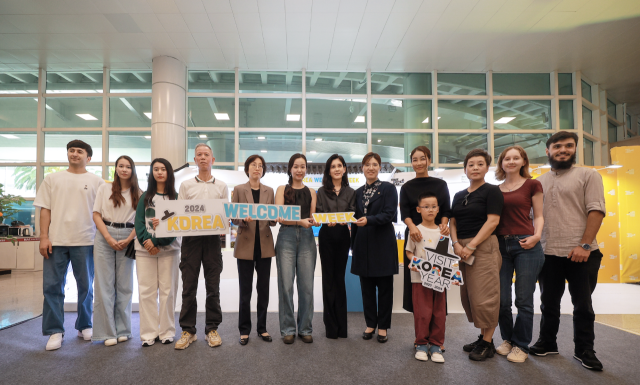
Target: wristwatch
[(586, 246)]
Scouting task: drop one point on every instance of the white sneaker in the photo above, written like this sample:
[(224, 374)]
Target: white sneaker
[(517, 355), (436, 354), (86, 334), (148, 343), (167, 341), (504, 348), (55, 341), (110, 342), (123, 338), (421, 355)]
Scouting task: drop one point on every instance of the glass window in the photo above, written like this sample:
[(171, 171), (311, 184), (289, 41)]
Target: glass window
[(612, 133), (92, 169), (19, 180), (587, 120), (18, 147), (521, 114), (400, 113), (222, 145), (137, 145), (73, 112), (320, 146), (212, 81), (534, 144), (55, 145), (611, 109), (453, 148), (129, 112), (18, 112), (19, 82), (521, 84), (586, 91), (74, 82), (273, 147), (270, 112), (565, 84), (336, 113), (130, 81), (336, 82), (566, 115), (270, 81), (396, 148), (628, 121), (588, 152), (25, 213), (462, 84), (462, 114), (383, 83), (211, 112), (141, 171)]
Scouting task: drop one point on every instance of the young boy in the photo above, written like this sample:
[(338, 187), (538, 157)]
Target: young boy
[(429, 307)]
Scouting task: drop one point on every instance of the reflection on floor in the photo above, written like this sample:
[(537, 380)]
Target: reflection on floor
[(20, 297), (626, 322)]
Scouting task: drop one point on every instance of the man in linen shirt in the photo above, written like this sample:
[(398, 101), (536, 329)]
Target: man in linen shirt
[(205, 250), (573, 211)]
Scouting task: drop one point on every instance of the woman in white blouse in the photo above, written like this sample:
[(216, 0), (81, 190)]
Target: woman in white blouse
[(114, 212)]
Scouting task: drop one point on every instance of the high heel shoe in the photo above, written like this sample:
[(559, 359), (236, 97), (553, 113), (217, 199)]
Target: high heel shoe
[(244, 341), (368, 336), (382, 339), (266, 338)]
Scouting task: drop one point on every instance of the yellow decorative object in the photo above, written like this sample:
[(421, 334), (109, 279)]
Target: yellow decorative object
[(400, 251)]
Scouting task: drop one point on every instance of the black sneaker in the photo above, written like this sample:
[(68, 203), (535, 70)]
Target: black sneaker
[(542, 348), (588, 359), (469, 347), (482, 351)]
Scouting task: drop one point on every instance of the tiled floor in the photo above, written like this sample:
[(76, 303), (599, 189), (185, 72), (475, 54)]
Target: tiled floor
[(626, 322), (20, 297)]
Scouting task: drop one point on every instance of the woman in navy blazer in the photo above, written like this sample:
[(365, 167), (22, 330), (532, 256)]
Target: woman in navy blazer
[(374, 247)]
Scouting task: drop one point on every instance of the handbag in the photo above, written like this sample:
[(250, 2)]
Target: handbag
[(131, 250)]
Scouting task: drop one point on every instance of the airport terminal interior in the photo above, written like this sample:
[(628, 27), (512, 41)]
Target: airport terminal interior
[(154, 78)]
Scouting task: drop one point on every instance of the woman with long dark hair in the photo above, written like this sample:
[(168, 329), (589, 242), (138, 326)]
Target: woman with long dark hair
[(335, 196), (296, 254), (157, 260), (113, 213)]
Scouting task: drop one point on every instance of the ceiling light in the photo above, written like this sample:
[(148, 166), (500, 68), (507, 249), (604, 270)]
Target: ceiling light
[(9, 136), (504, 120), (318, 139), (359, 119), (546, 166), (86, 116), (395, 102), (439, 170), (293, 117), (309, 161), (202, 136), (460, 162), (426, 120), (313, 152), (261, 138), (263, 150), (612, 166), (439, 117), (147, 136), (379, 140), (221, 115), (148, 114)]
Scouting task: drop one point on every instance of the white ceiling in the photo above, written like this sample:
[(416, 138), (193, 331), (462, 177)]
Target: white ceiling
[(599, 37)]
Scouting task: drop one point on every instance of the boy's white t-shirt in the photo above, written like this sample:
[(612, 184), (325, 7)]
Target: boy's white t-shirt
[(70, 197), (430, 239), (124, 213)]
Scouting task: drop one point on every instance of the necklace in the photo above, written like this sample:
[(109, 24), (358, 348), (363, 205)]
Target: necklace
[(514, 187)]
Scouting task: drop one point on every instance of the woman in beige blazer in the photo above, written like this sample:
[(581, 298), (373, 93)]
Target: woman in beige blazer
[(253, 249)]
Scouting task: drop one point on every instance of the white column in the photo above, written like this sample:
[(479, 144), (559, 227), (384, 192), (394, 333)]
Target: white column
[(168, 133)]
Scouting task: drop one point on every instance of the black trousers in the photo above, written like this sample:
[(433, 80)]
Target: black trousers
[(377, 314), (262, 267), (195, 251), (582, 278), (334, 243)]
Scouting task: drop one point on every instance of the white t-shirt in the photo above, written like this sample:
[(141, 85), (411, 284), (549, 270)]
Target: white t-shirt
[(430, 239), (70, 197), (197, 189), (121, 214)]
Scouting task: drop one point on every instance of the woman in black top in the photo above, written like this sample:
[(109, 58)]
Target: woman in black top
[(409, 193), (296, 254), (335, 196), (374, 247)]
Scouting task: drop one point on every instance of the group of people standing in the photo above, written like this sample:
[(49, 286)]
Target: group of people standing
[(542, 230)]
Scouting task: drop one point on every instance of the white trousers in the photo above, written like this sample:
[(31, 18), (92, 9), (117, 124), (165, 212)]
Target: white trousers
[(157, 286)]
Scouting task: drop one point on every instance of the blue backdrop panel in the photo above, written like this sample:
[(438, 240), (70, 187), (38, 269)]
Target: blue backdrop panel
[(354, 294)]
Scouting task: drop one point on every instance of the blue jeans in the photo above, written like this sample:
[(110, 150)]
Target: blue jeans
[(295, 256), (113, 288), (527, 265), (54, 277)]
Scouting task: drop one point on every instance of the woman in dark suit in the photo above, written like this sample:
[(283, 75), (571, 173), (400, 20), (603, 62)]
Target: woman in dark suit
[(374, 247), (253, 249)]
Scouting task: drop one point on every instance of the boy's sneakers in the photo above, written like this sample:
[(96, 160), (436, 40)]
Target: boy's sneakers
[(422, 352), (436, 354), (86, 334), (542, 348), (185, 340), (504, 348), (517, 355), (469, 347), (55, 341), (588, 359), (482, 351)]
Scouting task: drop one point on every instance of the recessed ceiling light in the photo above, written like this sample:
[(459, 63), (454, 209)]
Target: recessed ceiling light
[(379, 140), (309, 161), (202, 136), (359, 119), (439, 170), (86, 116), (313, 152), (261, 138), (439, 117), (9, 136), (318, 139), (504, 120), (460, 162), (263, 150), (293, 117), (221, 115), (396, 103), (147, 136), (148, 114), (426, 120)]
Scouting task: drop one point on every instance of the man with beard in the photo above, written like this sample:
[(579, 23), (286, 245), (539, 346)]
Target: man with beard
[(573, 212)]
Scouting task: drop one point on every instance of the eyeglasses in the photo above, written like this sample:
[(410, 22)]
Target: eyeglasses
[(428, 208), (256, 165), (466, 199)]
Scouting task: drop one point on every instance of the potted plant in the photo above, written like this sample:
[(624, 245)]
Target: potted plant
[(7, 206)]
